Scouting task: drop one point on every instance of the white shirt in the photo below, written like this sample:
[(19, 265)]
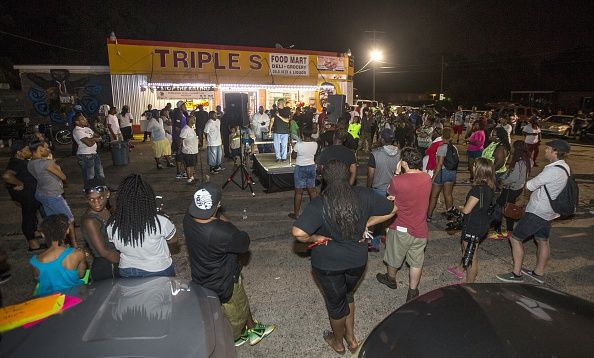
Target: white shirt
[(257, 120), (84, 132), (213, 133), (112, 122), (125, 120), (190, 140), (508, 128), (153, 255), (555, 179), (305, 153), (155, 126), (531, 139)]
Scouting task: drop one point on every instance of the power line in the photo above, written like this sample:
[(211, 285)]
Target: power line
[(38, 42)]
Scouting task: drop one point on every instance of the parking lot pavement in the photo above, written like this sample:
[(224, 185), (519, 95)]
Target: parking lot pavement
[(278, 279)]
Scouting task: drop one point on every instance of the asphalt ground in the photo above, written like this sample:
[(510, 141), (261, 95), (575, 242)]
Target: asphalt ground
[(278, 278)]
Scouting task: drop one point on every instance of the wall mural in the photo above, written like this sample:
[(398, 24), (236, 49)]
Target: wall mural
[(53, 96)]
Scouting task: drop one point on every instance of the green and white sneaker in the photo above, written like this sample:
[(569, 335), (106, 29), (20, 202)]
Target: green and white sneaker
[(259, 331), (534, 276), (242, 339), (510, 277)]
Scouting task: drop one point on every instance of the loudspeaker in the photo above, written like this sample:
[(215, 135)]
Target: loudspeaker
[(335, 107), (236, 104)]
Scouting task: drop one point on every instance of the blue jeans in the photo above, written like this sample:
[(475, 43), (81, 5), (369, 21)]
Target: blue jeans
[(134, 272), (280, 145), (215, 156), (91, 166), (53, 205)]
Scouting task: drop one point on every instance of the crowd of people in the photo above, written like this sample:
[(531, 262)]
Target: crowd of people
[(412, 159)]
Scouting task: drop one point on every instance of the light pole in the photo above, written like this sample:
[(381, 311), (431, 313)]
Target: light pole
[(375, 56)]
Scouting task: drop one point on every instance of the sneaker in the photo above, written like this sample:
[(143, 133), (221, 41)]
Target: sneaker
[(179, 176), (383, 278), (532, 275), (510, 277), (159, 166), (242, 339), (170, 165), (412, 294), (5, 277), (454, 271), (495, 236), (259, 331), (190, 180)]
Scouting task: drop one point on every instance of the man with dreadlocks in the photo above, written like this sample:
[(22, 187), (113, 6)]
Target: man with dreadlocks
[(334, 224), (139, 232)]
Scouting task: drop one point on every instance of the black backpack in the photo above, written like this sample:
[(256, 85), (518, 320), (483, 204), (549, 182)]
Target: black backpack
[(451, 160), (566, 202)]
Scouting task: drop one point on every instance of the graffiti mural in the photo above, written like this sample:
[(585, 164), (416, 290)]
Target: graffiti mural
[(52, 96)]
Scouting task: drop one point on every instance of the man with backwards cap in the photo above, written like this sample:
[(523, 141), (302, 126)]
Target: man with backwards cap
[(539, 214), (213, 248)]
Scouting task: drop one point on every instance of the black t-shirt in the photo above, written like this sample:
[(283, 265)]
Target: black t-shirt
[(337, 152), (342, 253), (19, 166), (201, 118), (327, 138), (213, 248), (477, 222)]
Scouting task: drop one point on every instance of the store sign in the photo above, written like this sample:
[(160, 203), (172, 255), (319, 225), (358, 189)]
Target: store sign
[(209, 95), (188, 63), (330, 63), (284, 64)]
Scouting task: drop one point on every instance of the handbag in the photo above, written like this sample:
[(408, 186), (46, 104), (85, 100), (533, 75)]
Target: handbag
[(513, 211)]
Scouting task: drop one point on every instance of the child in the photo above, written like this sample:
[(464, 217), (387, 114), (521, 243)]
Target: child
[(235, 144), (59, 267)]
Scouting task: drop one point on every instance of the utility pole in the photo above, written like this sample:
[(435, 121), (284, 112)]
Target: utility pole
[(441, 81), (374, 32)]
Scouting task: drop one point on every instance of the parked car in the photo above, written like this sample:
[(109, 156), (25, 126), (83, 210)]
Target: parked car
[(559, 125), (147, 317), (486, 320)]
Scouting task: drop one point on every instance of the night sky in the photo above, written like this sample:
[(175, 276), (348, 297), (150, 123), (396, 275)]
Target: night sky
[(489, 47)]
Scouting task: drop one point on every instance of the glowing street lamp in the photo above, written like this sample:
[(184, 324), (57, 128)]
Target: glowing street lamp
[(375, 56)]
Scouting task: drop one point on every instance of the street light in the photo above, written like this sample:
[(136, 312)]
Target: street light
[(375, 56)]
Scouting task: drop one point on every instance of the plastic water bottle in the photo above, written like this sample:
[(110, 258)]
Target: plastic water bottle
[(244, 214)]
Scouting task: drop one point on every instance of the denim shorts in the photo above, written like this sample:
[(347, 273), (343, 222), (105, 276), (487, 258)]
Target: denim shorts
[(474, 153), (53, 205), (532, 225), (445, 176), (305, 176), (135, 272)]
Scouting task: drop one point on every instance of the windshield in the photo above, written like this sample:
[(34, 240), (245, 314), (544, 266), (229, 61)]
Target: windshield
[(560, 120)]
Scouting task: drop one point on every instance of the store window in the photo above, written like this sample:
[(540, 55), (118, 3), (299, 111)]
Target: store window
[(292, 98)]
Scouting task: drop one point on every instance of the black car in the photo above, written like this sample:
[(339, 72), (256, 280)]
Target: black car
[(143, 317), (486, 320)]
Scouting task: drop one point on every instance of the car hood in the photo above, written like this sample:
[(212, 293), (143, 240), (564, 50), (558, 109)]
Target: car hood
[(490, 320), (147, 317)]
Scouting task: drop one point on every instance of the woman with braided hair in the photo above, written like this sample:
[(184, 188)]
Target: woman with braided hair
[(139, 232), (334, 224)]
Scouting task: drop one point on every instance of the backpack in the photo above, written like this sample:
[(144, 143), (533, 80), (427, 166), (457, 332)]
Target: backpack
[(566, 202), (451, 160)]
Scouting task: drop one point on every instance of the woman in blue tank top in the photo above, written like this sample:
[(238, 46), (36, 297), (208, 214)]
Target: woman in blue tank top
[(58, 268)]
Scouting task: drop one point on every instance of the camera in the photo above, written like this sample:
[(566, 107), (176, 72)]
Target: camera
[(472, 241), (455, 223)]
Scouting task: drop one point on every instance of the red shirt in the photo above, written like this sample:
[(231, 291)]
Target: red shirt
[(411, 192)]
